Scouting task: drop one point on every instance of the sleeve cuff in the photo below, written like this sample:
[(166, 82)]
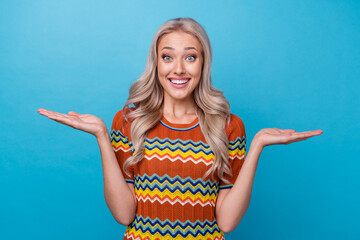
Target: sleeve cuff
[(226, 186), (129, 181)]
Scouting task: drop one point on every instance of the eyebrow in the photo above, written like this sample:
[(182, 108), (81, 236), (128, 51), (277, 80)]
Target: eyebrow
[(186, 48)]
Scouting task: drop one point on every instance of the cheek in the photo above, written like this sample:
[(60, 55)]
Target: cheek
[(196, 70), (163, 69)]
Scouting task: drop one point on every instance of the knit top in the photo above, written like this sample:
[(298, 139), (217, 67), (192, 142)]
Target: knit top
[(173, 201)]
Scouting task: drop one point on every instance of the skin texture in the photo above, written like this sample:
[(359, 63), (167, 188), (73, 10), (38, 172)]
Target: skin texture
[(179, 56)]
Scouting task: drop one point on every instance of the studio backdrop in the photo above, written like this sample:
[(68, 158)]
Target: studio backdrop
[(285, 64)]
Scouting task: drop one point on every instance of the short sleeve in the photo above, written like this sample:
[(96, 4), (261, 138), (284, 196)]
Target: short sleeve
[(236, 149), (121, 143)]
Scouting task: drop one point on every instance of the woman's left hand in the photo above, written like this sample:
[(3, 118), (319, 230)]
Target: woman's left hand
[(274, 136)]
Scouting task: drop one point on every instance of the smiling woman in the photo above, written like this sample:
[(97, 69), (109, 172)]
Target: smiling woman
[(179, 66), (174, 165)]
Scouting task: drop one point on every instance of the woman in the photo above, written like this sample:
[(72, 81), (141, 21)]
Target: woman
[(172, 167)]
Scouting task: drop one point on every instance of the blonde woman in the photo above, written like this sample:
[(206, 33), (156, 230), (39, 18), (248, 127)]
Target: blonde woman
[(174, 165)]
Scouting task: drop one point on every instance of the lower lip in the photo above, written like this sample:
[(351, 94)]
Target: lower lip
[(179, 85)]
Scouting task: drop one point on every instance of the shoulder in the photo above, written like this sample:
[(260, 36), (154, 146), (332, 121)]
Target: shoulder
[(120, 123), (235, 125)]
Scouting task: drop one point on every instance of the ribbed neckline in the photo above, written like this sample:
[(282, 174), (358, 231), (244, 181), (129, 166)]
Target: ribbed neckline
[(179, 126)]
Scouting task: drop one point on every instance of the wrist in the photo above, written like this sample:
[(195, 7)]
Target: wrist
[(257, 143), (102, 134)]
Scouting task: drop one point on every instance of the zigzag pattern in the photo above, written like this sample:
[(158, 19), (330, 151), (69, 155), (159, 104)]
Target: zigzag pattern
[(175, 150), (237, 148), (147, 227), (119, 141), (175, 190), (238, 143), (178, 144), (178, 195), (138, 235), (196, 152), (177, 158), (176, 183), (172, 201)]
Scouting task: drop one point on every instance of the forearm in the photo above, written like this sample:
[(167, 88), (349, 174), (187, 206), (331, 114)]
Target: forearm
[(118, 196), (235, 204)]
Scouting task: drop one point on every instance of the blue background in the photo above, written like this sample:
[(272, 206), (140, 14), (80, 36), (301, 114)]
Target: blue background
[(286, 64)]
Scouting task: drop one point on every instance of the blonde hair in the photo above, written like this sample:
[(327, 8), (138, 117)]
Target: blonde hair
[(145, 101)]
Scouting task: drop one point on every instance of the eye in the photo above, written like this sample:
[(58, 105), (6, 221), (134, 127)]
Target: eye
[(166, 57), (191, 58)]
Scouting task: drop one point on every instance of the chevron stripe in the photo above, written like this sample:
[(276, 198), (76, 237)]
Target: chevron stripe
[(175, 200), (178, 158), (138, 235), (238, 143), (175, 186), (146, 227), (179, 155), (184, 228), (196, 152), (176, 194), (167, 142), (237, 148), (119, 141), (237, 155), (175, 190), (185, 151), (176, 179), (176, 197)]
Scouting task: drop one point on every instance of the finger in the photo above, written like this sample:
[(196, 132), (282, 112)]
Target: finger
[(319, 131), (63, 120), (304, 134), (41, 109), (58, 114), (287, 130), (42, 112), (45, 112), (48, 112), (300, 137), (72, 113), (70, 124), (57, 117)]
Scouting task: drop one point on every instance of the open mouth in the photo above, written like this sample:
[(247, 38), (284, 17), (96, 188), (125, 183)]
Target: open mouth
[(179, 81)]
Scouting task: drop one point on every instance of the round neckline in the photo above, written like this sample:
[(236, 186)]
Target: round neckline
[(180, 126)]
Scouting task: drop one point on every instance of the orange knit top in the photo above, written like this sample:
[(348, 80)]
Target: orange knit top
[(174, 202)]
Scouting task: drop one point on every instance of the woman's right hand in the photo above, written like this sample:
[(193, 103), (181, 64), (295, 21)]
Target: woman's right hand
[(84, 122)]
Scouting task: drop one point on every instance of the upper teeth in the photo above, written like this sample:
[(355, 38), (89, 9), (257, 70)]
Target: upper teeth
[(179, 81)]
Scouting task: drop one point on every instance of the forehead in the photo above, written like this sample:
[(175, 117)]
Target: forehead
[(179, 40)]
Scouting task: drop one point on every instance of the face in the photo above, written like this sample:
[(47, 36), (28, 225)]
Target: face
[(179, 65)]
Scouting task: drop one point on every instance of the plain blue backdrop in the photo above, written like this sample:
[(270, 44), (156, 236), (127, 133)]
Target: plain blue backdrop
[(286, 64)]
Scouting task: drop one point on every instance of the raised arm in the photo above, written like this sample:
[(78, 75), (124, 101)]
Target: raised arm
[(119, 195), (232, 204)]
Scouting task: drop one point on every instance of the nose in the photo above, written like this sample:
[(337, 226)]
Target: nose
[(179, 68)]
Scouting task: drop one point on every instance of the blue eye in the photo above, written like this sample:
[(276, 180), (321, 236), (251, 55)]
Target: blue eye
[(166, 57), (191, 58)]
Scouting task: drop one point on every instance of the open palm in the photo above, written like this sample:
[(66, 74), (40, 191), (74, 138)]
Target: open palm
[(84, 122), (273, 136)]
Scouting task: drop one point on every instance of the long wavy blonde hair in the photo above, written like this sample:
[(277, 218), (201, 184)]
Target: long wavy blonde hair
[(145, 101)]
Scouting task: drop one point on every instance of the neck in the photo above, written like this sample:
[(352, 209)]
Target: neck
[(179, 109)]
